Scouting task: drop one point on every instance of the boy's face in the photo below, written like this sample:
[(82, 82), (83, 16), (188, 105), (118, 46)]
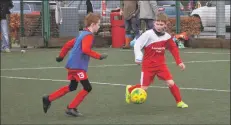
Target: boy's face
[(160, 26), (96, 26)]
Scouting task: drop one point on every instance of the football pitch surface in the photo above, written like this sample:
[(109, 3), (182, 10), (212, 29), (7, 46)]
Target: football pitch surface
[(204, 85)]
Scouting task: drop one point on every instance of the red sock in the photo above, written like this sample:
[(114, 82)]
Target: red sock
[(78, 99), (175, 92), (133, 87), (59, 93)]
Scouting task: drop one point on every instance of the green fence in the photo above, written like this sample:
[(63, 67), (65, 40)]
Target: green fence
[(37, 25)]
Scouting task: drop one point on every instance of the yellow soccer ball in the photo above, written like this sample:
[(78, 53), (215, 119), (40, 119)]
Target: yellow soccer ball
[(138, 96)]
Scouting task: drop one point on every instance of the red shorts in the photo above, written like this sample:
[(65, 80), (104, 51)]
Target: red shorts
[(76, 75), (147, 76)]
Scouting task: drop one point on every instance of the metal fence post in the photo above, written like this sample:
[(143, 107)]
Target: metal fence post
[(46, 22), (22, 34), (22, 29), (220, 19), (177, 17)]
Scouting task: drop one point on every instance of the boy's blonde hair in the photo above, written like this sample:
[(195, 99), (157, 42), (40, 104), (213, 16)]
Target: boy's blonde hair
[(91, 18), (162, 17)]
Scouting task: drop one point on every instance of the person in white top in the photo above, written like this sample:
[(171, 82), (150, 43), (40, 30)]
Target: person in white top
[(154, 42)]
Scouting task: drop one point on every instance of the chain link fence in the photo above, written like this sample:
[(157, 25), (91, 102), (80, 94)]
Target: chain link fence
[(102, 7), (26, 22), (41, 23)]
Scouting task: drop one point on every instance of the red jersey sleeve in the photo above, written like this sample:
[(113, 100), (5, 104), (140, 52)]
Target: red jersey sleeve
[(87, 45), (67, 46), (174, 51)]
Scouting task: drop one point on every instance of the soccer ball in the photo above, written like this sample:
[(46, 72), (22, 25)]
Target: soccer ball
[(138, 96)]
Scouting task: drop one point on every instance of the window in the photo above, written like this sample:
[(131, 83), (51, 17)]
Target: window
[(112, 4), (214, 3), (171, 11), (96, 4), (171, 3), (17, 7), (161, 3)]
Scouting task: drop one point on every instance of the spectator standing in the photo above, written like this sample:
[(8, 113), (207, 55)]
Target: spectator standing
[(5, 6), (148, 11), (198, 4), (130, 11), (89, 6)]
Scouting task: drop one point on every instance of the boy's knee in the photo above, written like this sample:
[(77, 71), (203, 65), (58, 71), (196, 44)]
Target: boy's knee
[(86, 85), (170, 83), (73, 85), (88, 88)]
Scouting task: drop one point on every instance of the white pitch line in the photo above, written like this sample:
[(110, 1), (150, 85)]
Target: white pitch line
[(204, 53), (126, 50), (102, 49), (111, 84), (187, 52), (115, 65)]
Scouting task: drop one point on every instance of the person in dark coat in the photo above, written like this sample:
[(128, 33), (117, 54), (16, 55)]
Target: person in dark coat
[(89, 6)]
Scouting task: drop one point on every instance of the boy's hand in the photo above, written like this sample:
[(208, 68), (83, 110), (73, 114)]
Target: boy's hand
[(59, 59), (182, 66), (138, 61), (103, 56)]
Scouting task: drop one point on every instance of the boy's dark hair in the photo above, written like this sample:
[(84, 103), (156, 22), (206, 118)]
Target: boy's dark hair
[(162, 17), (91, 18)]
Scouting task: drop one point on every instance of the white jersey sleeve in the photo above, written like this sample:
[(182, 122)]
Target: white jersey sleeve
[(139, 45)]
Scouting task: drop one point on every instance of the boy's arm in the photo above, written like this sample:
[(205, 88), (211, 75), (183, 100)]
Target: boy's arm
[(87, 45), (67, 46), (139, 44), (174, 51)]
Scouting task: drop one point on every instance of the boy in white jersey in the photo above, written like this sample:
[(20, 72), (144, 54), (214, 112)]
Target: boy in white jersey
[(154, 42)]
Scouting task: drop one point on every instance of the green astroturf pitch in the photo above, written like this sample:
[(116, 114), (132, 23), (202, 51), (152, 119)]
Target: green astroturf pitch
[(204, 85)]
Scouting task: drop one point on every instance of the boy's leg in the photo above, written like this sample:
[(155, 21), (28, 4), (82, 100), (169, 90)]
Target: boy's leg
[(72, 107), (64, 90), (47, 99), (164, 74), (82, 94), (73, 77), (145, 80)]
